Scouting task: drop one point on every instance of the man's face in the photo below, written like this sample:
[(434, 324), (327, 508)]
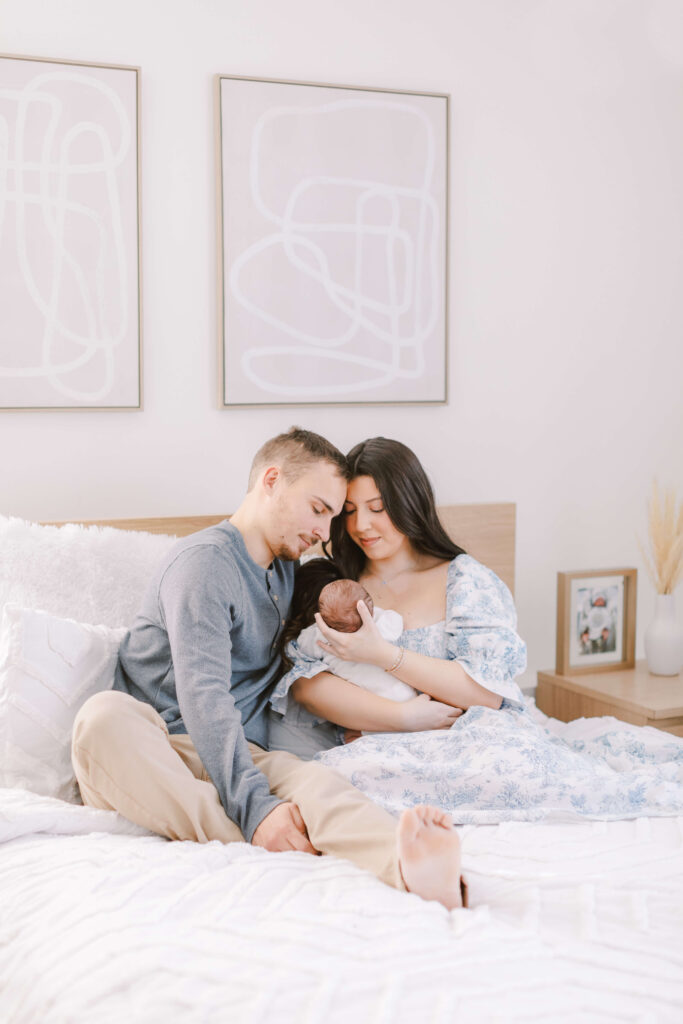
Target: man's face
[(300, 512)]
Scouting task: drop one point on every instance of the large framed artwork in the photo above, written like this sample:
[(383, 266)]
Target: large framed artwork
[(70, 317), (332, 243)]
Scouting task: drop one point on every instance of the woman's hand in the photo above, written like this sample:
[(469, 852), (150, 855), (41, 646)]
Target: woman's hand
[(422, 712), (366, 645), (353, 708)]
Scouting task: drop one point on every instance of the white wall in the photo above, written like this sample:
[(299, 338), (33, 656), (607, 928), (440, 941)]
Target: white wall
[(566, 260)]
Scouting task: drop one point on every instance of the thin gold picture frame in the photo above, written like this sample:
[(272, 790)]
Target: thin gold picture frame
[(568, 662)]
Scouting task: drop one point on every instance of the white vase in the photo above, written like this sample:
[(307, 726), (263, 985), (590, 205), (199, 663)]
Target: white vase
[(664, 639)]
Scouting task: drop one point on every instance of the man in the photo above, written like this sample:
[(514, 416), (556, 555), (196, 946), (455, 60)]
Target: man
[(180, 745)]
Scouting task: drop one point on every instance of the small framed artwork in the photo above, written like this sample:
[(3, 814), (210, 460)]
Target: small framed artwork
[(332, 244), (596, 620)]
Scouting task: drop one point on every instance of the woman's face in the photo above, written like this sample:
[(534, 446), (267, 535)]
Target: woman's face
[(367, 523)]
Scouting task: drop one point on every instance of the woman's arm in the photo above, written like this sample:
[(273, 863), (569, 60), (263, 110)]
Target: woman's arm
[(350, 706), (445, 681)]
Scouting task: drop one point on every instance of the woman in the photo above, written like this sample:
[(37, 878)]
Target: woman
[(500, 759), (459, 646)]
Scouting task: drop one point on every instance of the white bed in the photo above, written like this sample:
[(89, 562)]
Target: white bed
[(101, 922)]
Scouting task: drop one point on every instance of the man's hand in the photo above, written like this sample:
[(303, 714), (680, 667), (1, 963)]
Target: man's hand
[(283, 829)]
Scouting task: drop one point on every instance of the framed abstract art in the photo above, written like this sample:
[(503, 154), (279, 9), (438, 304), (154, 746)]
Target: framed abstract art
[(332, 243), (70, 334)]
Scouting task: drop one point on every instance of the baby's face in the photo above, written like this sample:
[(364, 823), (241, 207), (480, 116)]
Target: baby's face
[(337, 605)]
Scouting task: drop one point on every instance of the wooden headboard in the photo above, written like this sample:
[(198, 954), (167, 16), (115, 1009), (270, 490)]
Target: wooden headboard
[(487, 532)]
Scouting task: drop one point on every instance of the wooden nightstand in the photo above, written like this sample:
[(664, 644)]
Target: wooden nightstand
[(633, 695)]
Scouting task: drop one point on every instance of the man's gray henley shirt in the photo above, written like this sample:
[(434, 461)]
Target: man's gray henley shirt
[(203, 651)]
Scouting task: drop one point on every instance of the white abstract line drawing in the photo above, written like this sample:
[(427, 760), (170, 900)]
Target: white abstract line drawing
[(60, 177), (385, 300)]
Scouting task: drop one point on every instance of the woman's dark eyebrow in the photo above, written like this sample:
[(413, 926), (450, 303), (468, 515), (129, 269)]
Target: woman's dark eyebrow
[(368, 502)]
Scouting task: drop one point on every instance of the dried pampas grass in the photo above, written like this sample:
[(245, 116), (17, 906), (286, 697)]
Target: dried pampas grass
[(664, 560)]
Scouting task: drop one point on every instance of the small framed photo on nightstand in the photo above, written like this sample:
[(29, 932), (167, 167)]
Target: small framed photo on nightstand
[(596, 620)]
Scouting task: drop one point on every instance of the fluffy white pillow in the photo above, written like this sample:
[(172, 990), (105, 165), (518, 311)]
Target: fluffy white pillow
[(48, 669), (91, 574)]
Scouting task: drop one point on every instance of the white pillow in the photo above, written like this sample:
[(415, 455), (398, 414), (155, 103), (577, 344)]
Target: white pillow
[(48, 669), (91, 574)]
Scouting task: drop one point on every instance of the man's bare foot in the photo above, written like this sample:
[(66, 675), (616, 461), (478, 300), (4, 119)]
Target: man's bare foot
[(429, 855)]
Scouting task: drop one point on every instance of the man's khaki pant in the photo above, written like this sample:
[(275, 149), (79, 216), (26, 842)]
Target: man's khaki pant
[(126, 761)]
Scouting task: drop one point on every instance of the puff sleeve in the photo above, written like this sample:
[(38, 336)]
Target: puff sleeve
[(481, 627), (307, 661)]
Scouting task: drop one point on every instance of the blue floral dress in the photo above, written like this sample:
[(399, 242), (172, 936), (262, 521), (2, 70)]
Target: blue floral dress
[(496, 765), (479, 631)]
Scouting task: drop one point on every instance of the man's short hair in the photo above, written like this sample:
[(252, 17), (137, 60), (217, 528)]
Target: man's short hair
[(294, 452)]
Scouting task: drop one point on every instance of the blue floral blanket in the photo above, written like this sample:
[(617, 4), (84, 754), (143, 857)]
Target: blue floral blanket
[(516, 764)]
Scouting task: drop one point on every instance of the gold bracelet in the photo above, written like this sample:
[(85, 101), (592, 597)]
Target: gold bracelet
[(397, 663)]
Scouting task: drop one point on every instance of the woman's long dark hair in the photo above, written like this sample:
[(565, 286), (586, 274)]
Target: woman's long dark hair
[(309, 580), (407, 496)]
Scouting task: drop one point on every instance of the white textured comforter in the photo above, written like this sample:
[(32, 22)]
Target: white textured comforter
[(100, 922)]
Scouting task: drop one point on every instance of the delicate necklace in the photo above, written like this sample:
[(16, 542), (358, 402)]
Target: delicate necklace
[(386, 583)]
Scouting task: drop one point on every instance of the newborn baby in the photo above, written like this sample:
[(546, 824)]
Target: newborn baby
[(337, 605)]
